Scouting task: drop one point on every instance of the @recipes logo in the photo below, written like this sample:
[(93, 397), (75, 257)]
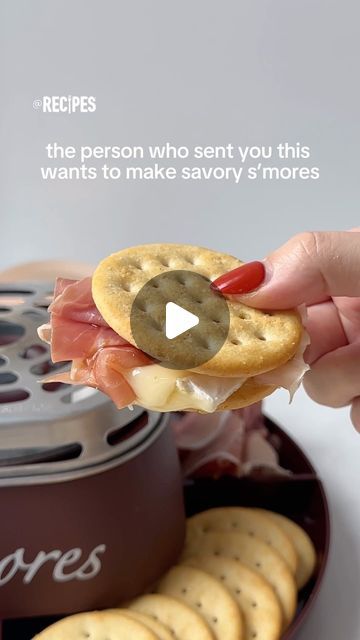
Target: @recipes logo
[(65, 104)]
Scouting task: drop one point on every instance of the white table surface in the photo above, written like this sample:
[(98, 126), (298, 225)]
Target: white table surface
[(333, 446)]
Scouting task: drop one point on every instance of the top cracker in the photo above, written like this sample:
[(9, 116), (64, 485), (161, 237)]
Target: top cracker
[(257, 341)]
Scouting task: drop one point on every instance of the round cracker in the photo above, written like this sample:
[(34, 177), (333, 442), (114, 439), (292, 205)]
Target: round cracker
[(179, 618), (159, 629), (257, 341), (302, 543), (208, 597), (97, 625), (254, 595), (256, 555), (248, 393), (248, 521)]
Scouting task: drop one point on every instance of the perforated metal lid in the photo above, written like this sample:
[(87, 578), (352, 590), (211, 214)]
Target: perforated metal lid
[(52, 427), (25, 360)]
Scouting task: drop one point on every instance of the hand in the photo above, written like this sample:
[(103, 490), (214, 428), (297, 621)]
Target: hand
[(322, 270)]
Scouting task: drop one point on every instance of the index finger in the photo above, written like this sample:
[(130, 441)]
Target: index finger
[(309, 268)]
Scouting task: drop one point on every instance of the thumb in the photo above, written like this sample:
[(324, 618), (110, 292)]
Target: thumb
[(309, 268)]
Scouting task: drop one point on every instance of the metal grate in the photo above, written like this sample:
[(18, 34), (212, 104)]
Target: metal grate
[(52, 427), (25, 360)]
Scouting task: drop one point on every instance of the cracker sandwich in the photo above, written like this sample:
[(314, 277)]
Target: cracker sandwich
[(93, 325)]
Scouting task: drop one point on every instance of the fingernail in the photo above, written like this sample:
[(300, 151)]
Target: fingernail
[(241, 280)]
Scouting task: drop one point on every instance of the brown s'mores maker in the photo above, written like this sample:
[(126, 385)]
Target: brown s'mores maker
[(90, 497)]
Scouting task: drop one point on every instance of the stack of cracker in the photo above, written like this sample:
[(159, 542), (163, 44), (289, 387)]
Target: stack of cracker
[(237, 579)]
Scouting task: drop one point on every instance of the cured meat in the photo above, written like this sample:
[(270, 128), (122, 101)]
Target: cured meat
[(73, 300), (228, 443), (71, 339), (252, 417), (78, 333), (223, 455), (208, 427)]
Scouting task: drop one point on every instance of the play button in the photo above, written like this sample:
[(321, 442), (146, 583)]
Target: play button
[(177, 319)]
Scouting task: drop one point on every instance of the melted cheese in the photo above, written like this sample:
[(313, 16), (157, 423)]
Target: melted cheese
[(161, 389)]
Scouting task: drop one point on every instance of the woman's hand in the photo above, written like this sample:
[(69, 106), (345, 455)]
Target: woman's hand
[(322, 270)]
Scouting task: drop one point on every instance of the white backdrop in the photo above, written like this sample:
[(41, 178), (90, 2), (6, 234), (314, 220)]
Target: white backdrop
[(191, 73)]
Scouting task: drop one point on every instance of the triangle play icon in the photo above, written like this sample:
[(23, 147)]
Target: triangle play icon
[(178, 320)]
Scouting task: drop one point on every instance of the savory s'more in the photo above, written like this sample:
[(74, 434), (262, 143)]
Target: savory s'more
[(113, 327)]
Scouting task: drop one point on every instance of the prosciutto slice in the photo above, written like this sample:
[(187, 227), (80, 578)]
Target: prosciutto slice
[(221, 456), (77, 332), (228, 443), (73, 300)]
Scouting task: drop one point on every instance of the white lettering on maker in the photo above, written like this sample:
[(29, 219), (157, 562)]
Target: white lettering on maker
[(14, 562)]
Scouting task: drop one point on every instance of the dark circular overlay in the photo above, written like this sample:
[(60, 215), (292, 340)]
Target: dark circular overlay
[(190, 291)]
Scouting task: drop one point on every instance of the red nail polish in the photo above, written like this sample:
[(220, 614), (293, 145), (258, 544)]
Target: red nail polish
[(242, 279)]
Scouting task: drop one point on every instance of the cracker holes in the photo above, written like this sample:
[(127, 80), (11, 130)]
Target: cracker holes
[(254, 605), (199, 605), (155, 326), (190, 260), (214, 619), (238, 591), (260, 336), (164, 262), (184, 590), (234, 525), (86, 634), (243, 315), (222, 578), (204, 344), (237, 558), (258, 564), (137, 265), (251, 534), (140, 306), (254, 634), (217, 553), (236, 342)]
